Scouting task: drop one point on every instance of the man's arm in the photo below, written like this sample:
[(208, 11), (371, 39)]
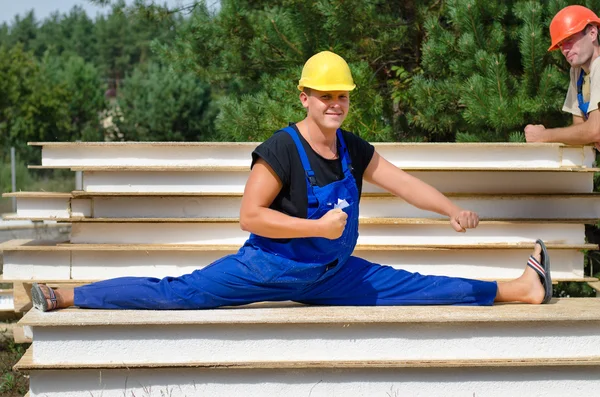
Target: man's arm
[(580, 133), (262, 187), (416, 192)]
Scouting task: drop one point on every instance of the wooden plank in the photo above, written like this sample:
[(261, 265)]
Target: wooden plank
[(76, 283), (62, 221), (154, 144), (26, 244), (111, 168), (51, 282), (376, 144), (596, 286), (21, 296), (38, 195), (20, 336), (84, 194), (26, 363), (567, 310), (38, 245), (362, 221)]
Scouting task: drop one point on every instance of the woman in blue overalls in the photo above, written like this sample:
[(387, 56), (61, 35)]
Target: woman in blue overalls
[(307, 256)]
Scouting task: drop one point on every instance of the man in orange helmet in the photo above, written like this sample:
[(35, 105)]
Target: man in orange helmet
[(574, 30)]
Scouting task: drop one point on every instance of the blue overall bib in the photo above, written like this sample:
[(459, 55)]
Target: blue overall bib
[(583, 105), (311, 270)]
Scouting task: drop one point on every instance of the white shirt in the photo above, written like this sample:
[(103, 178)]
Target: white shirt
[(590, 89)]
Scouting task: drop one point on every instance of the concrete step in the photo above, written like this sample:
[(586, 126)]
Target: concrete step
[(498, 181), (490, 381), (124, 154), (65, 206), (268, 332), (27, 260), (383, 231)]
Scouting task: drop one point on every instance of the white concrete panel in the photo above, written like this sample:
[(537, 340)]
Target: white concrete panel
[(222, 182), (445, 181), (484, 233), (81, 207), (497, 207), (480, 264), (207, 154), (32, 265), (589, 156), (402, 234), (6, 300), (472, 155), (509, 182), (576, 156), (28, 207), (167, 207), (462, 382), (168, 233), (236, 154), (90, 265), (314, 342)]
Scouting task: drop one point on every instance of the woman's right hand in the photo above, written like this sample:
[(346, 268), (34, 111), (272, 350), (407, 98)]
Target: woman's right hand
[(332, 224)]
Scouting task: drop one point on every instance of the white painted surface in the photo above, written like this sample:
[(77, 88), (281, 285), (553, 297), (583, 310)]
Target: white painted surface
[(100, 265), (42, 207), (498, 207), (30, 265), (466, 382), (447, 182), (507, 207), (82, 207), (403, 234), (481, 264), (400, 154), (237, 154), (6, 300), (314, 342)]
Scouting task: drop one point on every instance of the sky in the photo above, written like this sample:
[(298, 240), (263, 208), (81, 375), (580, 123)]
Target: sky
[(43, 8)]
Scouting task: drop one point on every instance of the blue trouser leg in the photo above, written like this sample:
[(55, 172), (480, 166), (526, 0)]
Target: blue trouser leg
[(361, 283), (231, 281), (228, 281)]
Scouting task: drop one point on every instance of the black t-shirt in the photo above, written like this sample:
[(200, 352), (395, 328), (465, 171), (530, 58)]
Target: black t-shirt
[(280, 152)]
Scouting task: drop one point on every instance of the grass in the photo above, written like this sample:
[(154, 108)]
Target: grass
[(12, 383)]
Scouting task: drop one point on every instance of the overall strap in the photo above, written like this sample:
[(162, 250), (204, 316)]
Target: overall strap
[(310, 175), (344, 155), (583, 106)]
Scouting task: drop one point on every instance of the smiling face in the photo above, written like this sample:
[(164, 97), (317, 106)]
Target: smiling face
[(327, 109), (578, 49)]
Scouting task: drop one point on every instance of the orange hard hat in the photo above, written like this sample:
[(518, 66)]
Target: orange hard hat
[(568, 21)]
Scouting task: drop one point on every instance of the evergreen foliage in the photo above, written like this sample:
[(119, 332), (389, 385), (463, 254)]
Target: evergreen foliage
[(157, 104), (487, 72), (467, 70), (252, 53)]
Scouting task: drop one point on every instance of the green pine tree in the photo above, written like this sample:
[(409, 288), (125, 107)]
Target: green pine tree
[(486, 71), (252, 52)]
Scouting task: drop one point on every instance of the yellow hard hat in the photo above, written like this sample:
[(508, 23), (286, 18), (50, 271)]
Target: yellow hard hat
[(326, 71)]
